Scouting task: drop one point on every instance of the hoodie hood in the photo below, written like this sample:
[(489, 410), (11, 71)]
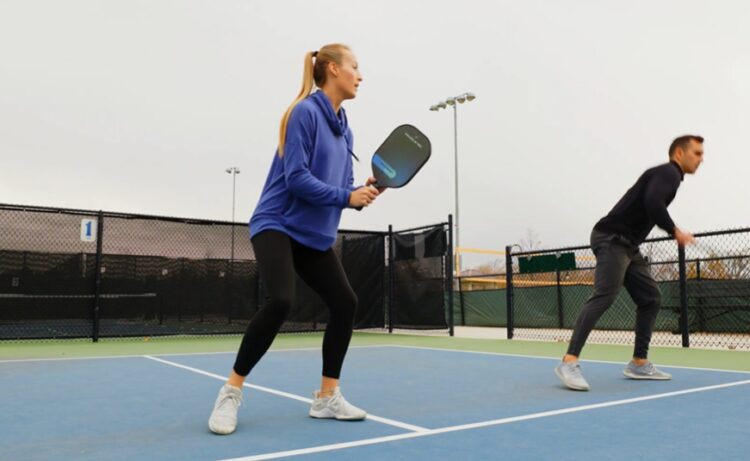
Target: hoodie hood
[(338, 123)]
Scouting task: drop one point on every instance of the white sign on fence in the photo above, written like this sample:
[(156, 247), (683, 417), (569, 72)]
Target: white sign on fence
[(88, 230)]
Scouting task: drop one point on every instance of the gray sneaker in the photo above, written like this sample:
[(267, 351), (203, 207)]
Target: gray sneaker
[(647, 371), (223, 418), (335, 407), (570, 374)]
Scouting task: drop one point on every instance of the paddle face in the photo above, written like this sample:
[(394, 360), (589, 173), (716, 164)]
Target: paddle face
[(400, 157)]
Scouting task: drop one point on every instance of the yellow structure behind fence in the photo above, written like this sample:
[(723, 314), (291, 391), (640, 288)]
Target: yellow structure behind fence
[(492, 276)]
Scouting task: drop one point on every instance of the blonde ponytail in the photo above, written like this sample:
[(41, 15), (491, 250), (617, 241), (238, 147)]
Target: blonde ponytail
[(314, 74), (307, 86)]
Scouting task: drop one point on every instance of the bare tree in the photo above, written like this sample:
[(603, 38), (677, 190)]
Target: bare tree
[(531, 241), (739, 267)]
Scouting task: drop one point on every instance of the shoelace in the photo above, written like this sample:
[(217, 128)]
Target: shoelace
[(337, 401), (230, 397), (340, 404)]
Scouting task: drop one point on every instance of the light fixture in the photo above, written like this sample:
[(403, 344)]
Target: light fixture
[(451, 101)]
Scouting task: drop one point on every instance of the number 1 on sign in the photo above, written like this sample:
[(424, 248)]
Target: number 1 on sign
[(88, 230)]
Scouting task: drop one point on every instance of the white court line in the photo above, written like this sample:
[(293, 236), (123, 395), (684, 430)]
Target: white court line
[(100, 357), (170, 354), (379, 419), (542, 357), (494, 422)]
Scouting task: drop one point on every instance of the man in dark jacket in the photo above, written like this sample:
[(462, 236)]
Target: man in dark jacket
[(619, 263)]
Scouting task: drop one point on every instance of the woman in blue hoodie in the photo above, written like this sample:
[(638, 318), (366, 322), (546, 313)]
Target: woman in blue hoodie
[(294, 227)]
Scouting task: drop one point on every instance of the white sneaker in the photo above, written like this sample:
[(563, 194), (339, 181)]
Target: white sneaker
[(335, 407), (223, 418), (570, 374), (646, 371)]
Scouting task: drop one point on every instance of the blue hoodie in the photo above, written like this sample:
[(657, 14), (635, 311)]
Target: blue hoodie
[(309, 186)]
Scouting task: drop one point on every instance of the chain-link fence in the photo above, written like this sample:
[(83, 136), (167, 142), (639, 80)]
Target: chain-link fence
[(705, 293), (84, 274), (480, 301), (717, 279)]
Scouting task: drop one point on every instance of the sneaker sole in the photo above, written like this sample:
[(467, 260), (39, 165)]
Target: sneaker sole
[(327, 414), (220, 431), (570, 386), (630, 375)]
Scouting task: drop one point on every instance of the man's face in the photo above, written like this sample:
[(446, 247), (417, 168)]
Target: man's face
[(690, 157)]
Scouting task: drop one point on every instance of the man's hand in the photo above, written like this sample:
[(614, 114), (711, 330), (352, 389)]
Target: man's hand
[(683, 238), (363, 196)]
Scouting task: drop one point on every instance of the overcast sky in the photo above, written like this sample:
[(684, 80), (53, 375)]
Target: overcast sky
[(140, 106)]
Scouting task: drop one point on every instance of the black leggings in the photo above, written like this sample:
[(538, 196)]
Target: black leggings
[(279, 257)]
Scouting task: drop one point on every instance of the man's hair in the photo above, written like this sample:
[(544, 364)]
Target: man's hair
[(682, 142)]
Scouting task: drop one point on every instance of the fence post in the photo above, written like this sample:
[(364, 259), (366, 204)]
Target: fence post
[(560, 316), (391, 277), (700, 301), (228, 291), (98, 275), (697, 269), (509, 289), (449, 268), (461, 300), (684, 324)]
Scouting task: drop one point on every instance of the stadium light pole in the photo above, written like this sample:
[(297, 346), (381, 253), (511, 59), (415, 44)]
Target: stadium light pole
[(451, 101), (234, 171)]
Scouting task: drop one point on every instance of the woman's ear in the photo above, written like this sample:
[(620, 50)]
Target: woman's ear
[(333, 68)]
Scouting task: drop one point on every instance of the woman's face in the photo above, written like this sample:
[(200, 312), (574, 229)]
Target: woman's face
[(346, 76)]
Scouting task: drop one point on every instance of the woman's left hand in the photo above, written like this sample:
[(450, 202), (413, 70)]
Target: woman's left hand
[(371, 180)]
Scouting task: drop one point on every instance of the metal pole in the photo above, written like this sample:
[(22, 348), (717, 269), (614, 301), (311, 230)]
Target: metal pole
[(701, 299), (455, 101), (509, 290), (391, 277), (98, 276), (230, 278), (684, 324), (450, 280), (560, 316), (455, 161), (697, 269), (234, 182), (461, 300)]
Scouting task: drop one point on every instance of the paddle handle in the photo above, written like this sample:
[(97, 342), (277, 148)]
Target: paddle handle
[(375, 185)]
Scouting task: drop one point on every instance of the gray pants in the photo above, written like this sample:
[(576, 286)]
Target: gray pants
[(619, 263)]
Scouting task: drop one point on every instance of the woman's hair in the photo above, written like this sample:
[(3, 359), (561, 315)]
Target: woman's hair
[(316, 63)]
